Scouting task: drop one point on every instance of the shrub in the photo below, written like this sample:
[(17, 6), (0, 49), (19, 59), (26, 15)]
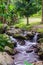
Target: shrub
[(4, 41)]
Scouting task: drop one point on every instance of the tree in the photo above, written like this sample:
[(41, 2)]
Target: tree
[(7, 11), (26, 8)]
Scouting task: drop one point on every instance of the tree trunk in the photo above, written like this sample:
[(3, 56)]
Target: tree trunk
[(42, 11), (27, 20)]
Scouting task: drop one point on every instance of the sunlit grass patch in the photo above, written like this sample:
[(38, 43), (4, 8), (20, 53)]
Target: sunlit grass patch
[(23, 25), (40, 30)]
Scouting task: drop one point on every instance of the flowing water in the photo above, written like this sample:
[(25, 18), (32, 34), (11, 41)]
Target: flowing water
[(23, 56), (35, 37)]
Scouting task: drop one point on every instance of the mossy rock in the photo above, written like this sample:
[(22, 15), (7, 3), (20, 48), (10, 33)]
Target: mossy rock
[(30, 36), (40, 51), (4, 41), (19, 36), (9, 50), (40, 40), (40, 35), (38, 63)]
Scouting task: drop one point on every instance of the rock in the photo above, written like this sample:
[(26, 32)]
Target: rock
[(9, 50), (29, 51), (35, 48), (29, 35), (40, 35), (40, 51), (16, 27), (5, 59), (21, 42), (19, 36), (40, 40), (13, 31), (16, 51), (38, 63), (14, 43)]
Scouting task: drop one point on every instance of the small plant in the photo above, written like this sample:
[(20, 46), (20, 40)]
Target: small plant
[(26, 63)]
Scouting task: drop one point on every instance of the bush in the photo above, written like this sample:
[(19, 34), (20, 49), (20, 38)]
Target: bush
[(4, 41)]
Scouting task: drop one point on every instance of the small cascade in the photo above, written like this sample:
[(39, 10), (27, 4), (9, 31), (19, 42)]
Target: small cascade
[(35, 37), (13, 39), (23, 49)]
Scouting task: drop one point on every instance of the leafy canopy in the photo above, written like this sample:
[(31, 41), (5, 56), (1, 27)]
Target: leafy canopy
[(27, 7)]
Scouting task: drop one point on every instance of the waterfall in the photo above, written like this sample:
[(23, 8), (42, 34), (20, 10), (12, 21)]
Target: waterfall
[(35, 37), (13, 39)]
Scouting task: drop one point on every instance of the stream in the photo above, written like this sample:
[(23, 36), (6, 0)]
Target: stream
[(26, 52)]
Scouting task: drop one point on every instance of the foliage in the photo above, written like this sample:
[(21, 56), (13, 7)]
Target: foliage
[(23, 25), (38, 15), (40, 30), (7, 12), (12, 9), (40, 40), (4, 41), (27, 7)]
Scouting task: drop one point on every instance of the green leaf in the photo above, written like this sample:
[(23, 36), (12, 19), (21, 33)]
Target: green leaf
[(11, 7)]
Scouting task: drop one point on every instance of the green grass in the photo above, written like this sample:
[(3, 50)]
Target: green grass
[(23, 25), (40, 30)]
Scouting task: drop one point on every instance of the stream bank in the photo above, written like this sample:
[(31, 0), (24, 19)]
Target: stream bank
[(25, 46)]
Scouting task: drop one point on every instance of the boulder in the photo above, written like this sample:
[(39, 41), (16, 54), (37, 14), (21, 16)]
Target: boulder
[(38, 63), (13, 43), (40, 52), (29, 51), (10, 51), (19, 36), (5, 59), (21, 42), (29, 35), (40, 40), (13, 31), (40, 35)]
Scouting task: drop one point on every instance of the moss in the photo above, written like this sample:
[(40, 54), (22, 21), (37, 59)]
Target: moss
[(18, 36), (40, 40)]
